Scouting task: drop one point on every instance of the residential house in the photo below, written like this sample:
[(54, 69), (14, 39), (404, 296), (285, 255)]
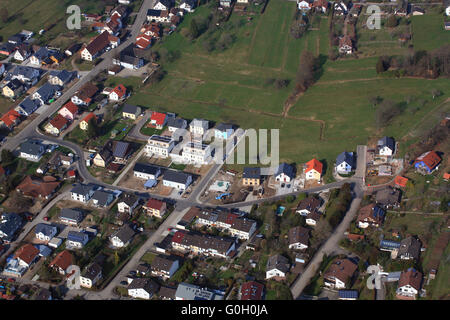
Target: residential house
[(10, 119), (313, 170), (340, 8), (7, 48), (340, 274), (27, 255), (121, 151), (98, 45), (45, 93), (251, 176), (187, 291), (74, 48), (68, 111), (131, 112), (118, 93), (345, 163), (41, 56), (370, 215), (298, 238), (386, 147), (13, 88), (129, 60), (163, 5), (223, 131), (409, 284), (84, 124), (26, 75), (312, 218), (242, 228), (277, 267), (56, 125), (37, 187), (174, 124), (206, 245), (128, 203), (77, 239), (400, 181), (61, 78), (142, 288), (159, 146), (176, 179), (164, 266), (198, 127), (388, 197), (303, 5), (104, 156), (155, 208), (27, 106), (31, 150), (427, 162), (285, 173), (122, 237), (45, 232), (10, 223), (167, 293), (23, 52), (187, 5), (102, 198), (157, 120), (409, 249), (82, 192), (62, 262), (85, 94), (196, 153), (71, 216), (91, 275), (251, 290), (345, 45), (146, 171), (308, 205), (158, 15)]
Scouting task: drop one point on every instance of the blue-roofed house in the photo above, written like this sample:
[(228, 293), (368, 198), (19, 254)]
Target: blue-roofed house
[(44, 251), (41, 55), (386, 146), (389, 245), (45, 93), (348, 294), (345, 162), (25, 74), (370, 215), (285, 173), (27, 106), (45, 232), (77, 239)]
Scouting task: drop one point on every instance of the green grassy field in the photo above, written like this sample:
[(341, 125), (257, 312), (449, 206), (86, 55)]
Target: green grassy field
[(428, 31)]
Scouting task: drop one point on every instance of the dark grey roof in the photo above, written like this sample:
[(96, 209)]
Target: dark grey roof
[(82, 189), (146, 168), (120, 149), (29, 106), (224, 127), (348, 157), (130, 59), (26, 72), (92, 271), (63, 75), (286, 169), (102, 197), (129, 108), (9, 224), (47, 91), (167, 292), (176, 176), (279, 262), (9, 47), (76, 236), (42, 53), (177, 123), (388, 196), (14, 84), (387, 142), (166, 3), (71, 214), (129, 198), (148, 285), (410, 247), (32, 147), (153, 13), (46, 229), (163, 263), (125, 233), (252, 172)]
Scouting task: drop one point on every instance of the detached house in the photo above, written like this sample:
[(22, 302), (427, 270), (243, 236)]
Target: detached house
[(156, 208), (10, 223), (340, 274), (45, 93), (45, 232), (176, 123), (158, 15), (27, 255), (163, 5), (118, 93), (251, 176), (131, 112), (61, 78), (85, 94), (251, 290), (82, 192), (187, 5), (38, 188), (307, 206), (62, 262), (102, 198), (409, 249), (122, 237), (159, 146), (98, 45), (56, 125), (84, 124), (128, 203), (345, 162), (157, 120), (10, 119), (77, 239), (31, 150), (370, 215), (298, 238), (277, 267), (164, 266), (68, 111), (427, 162), (27, 107), (409, 284), (42, 55), (71, 216), (146, 171), (23, 52), (285, 173), (24, 74), (91, 275), (313, 170), (198, 127), (177, 180), (142, 288), (386, 146), (13, 88)]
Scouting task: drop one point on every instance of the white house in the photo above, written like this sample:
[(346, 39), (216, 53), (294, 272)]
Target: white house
[(122, 237), (91, 275), (176, 179), (345, 162), (146, 171), (77, 239), (187, 5), (159, 146), (284, 173), (196, 153), (82, 193), (142, 288), (198, 126), (386, 146), (409, 284), (45, 232), (277, 267), (162, 5), (303, 5)]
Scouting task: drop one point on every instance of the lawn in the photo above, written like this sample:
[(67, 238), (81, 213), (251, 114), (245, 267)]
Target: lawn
[(428, 31)]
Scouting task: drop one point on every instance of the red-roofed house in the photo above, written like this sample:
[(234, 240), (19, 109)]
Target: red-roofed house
[(157, 120), (155, 208), (178, 237), (400, 181), (143, 41), (118, 93), (252, 290), (10, 119), (85, 122), (409, 284), (446, 176), (38, 188), (313, 170), (427, 162), (69, 110), (27, 255), (56, 125), (62, 261)]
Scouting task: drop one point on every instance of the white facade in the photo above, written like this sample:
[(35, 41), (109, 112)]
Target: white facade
[(81, 197), (310, 222), (275, 273), (338, 284), (196, 153), (283, 178), (145, 176), (407, 291), (116, 242), (139, 293), (344, 168), (386, 151), (298, 246), (178, 185), (86, 55), (44, 237), (159, 146), (30, 157)]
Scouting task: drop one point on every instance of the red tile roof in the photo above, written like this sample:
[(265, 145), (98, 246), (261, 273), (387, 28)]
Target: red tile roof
[(27, 253), (353, 237), (314, 164), (158, 117), (400, 181), (154, 204), (430, 158), (178, 236), (10, 118), (37, 187), (71, 107), (342, 269), (411, 277), (446, 176), (89, 117), (63, 260), (58, 122), (98, 44), (120, 90), (252, 290), (142, 42)]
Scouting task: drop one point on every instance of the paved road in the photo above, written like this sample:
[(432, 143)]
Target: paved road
[(135, 133)]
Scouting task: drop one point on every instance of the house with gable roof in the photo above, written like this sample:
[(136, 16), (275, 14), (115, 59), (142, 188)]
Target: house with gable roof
[(313, 170), (409, 284), (370, 215), (345, 162), (339, 275), (284, 173), (427, 162)]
